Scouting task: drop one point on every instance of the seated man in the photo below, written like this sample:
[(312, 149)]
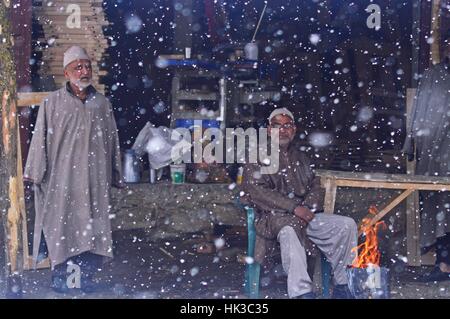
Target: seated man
[(288, 205)]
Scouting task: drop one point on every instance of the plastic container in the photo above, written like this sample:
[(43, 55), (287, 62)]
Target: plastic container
[(131, 167), (178, 173), (251, 51)]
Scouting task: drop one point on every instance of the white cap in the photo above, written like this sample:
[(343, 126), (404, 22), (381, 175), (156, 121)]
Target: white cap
[(74, 53), (281, 111)]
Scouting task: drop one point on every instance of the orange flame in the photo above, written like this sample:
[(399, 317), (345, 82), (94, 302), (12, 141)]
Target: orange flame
[(368, 251)]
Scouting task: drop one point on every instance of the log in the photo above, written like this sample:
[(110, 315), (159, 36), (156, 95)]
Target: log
[(92, 42), (33, 98), (11, 245)]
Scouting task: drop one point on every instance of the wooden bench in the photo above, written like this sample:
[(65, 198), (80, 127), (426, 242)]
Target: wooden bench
[(331, 180)]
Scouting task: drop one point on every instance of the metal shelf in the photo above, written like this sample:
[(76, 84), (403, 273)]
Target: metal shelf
[(196, 96), (193, 115), (249, 97)]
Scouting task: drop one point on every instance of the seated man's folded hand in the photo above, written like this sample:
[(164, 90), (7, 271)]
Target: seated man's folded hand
[(304, 213)]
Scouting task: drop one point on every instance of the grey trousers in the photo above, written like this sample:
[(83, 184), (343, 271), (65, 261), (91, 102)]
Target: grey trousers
[(334, 235)]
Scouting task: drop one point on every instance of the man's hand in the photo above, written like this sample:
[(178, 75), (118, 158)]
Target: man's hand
[(304, 213)]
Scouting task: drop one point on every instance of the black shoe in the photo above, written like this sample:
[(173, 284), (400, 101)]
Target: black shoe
[(341, 292), (308, 295), (435, 275), (59, 284)]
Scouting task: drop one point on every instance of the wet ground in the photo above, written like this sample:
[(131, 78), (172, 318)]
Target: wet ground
[(174, 269)]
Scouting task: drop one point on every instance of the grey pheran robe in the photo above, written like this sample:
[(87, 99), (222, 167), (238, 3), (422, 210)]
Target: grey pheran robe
[(74, 158), (275, 197), (430, 133)]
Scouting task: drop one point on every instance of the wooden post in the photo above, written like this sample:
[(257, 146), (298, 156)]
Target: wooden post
[(412, 202), (11, 202), (24, 100), (435, 32), (330, 195)]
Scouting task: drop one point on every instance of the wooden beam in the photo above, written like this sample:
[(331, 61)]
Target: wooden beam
[(435, 32), (29, 264), (387, 185), (412, 202), (33, 98), (389, 207), (413, 230), (21, 206), (330, 195), (401, 178)]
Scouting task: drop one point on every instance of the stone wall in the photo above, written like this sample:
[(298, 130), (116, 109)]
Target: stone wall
[(165, 210), (168, 210)]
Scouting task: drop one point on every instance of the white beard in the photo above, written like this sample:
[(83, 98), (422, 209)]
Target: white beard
[(82, 85)]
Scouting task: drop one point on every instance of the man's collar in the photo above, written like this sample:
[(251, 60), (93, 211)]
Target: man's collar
[(90, 90), (288, 147)]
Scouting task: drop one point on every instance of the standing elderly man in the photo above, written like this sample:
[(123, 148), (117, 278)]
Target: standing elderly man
[(288, 206), (428, 141), (74, 160)]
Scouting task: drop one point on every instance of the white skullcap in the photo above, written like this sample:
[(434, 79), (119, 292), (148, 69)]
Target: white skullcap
[(281, 111), (74, 53)]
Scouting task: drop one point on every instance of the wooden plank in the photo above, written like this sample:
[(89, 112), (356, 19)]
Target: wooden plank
[(56, 11), (86, 22), (59, 7), (388, 185), (59, 65), (28, 264), (435, 34), (56, 52), (413, 230), (401, 178), (412, 202), (389, 207), (82, 37), (53, 16), (55, 30), (56, 57), (90, 42), (34, 98), (22, 209)]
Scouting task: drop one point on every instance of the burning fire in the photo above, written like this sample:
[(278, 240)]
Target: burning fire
[(368, 251)]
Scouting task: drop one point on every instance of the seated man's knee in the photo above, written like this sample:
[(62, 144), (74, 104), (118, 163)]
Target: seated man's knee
[(349, 224), (286, 232)]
